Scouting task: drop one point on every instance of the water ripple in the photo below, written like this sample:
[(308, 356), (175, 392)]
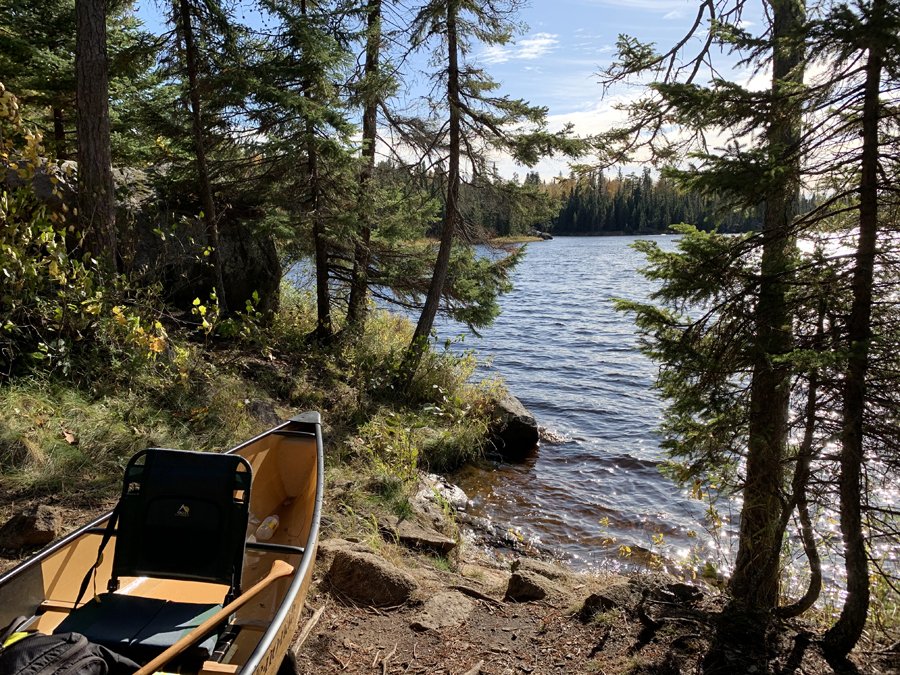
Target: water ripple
[(574, 362)]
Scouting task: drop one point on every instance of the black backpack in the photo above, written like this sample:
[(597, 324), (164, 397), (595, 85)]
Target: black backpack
[(65, 654)]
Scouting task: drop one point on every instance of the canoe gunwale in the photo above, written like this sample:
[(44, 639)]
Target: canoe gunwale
[(47, 552), (306, 562), (303, 570)]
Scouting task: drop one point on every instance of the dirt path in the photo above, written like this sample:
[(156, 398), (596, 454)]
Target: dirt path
[(546, 637)]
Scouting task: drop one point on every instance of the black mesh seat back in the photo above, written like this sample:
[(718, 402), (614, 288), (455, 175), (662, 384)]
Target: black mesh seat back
[(183, 515)]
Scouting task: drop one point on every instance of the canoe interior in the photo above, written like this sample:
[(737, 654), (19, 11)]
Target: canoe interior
[(285, 479)]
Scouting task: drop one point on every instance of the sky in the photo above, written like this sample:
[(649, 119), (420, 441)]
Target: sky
[(555, 62)]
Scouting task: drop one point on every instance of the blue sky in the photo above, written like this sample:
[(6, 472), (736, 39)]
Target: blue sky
[(554, 63)]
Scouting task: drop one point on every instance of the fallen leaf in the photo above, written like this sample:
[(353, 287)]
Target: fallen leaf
[(70, 437)]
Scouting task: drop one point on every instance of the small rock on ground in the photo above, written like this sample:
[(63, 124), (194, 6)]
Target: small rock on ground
[(525, 586), (442, 611), (625, 596), (33, 526), (369, 579), (414, 535), (264, 412), (547, 570)]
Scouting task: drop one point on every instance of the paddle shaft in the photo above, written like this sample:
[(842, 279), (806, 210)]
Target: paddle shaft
[(279, 569)]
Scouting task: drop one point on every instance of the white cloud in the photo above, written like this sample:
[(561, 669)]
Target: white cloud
[(592, 119), (658, 5), (533, 47), (674, 14)]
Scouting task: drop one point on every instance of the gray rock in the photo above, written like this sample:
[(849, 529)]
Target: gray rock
[(625, 596), (525, 586), (431, 484), (429, 512), (655, 582), (432, 494), (514, 430), (547, 570), (328, 548), (414, 535), (443, 611), (33, 526), (250, 261), (53, 185), (263, 412), (370, 580)]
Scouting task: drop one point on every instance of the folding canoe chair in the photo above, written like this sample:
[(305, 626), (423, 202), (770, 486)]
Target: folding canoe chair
[(182, 515)]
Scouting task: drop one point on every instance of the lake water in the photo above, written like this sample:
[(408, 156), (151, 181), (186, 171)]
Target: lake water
[(573, 361)]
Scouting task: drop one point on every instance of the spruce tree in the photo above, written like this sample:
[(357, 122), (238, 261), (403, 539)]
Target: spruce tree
[(96, 189), (476, 119), (744, 176)]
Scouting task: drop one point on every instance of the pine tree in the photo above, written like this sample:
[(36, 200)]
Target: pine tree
[(468, 96)]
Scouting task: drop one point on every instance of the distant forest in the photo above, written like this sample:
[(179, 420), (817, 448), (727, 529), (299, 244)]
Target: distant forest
[(603, 203)]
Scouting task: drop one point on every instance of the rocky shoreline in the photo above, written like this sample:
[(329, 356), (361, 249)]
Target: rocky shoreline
[(395, 595)]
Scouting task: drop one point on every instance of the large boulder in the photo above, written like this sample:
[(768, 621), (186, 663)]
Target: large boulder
[(369, 579), (34, 526), (443, 611), (158, 245), (329, 548), (514, 431), (250, 263), (53, 185)]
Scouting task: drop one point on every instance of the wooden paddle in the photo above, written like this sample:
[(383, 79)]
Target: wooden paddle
[(279, 569)]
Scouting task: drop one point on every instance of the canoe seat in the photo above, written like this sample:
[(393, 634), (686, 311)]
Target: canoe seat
[(140, 627), (181, 515)]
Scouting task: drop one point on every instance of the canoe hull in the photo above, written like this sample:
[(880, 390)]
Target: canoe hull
[(288, 482)]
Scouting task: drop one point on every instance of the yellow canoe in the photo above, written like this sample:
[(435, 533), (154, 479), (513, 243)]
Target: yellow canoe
[(287, 464)]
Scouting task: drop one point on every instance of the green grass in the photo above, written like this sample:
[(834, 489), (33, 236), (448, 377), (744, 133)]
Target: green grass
[(62, 438)]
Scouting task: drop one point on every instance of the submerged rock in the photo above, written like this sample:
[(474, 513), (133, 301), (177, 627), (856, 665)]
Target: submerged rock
[(514, 431)]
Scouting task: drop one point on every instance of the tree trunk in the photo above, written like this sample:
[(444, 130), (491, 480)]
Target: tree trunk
[(209, 207), (96, 189), (59, 135), (798, 489), (843, 636), (356, 310), (324, 329), (451, 214), (755, 579)]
